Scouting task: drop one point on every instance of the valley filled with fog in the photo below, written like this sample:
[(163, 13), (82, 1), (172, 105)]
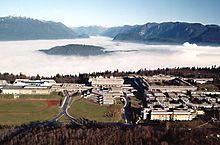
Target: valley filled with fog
[(23, 56)]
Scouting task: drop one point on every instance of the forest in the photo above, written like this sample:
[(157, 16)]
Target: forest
[(188, 72), (105, 134)]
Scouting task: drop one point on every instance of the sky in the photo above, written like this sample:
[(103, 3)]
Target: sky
[(110, 13)]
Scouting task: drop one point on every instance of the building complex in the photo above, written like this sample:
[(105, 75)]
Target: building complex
[(172, 98)]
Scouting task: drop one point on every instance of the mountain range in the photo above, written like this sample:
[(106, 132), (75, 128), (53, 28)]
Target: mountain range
[(21, 28), (168, 32)]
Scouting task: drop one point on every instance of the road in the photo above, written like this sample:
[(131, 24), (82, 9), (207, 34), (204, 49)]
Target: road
[(142, 89), (64, 107), (127, 111), (141, 86)]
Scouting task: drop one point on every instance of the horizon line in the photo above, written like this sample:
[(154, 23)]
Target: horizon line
[(105, 26)]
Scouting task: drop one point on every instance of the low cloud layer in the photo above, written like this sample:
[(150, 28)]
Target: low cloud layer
[(188, 45), (22, 56)]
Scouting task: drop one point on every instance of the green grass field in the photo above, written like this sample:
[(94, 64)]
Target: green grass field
[(64, 119), (16, 113), (92, 111), (47, 114), (14, 106)]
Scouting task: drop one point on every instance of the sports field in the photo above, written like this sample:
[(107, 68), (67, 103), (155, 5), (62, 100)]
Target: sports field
[(28, 110)]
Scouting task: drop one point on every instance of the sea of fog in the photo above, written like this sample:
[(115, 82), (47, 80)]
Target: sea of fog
[(22, 56)]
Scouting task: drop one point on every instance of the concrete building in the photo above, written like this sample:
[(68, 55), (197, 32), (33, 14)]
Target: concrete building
[(104, 97), (107, 98), (27, 82), (160, 115), (70, 87), (158, 78), (26, 86), (25, 90), (168, 99), (104, 82), (145, 113), (182, 115), (166, 115), (168, 84), (172, 88), (109, 88), (200, 80)]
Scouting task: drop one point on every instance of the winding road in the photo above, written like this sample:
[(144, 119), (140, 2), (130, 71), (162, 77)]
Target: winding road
[(127, 105), (64, 107)]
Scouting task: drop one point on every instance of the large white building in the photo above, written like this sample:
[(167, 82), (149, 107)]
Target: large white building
[(158, 78), (171, 88), (69, 87), (10, 89), (26, 86), (109, 88), (107, 82), (200, 80), (27, 82), (159, 83), (162, 115), (182, 115)]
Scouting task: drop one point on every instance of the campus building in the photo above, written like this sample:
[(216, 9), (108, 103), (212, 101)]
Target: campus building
[(26, 86), (27, 82), (161, 83), (158, 78), (59, 87), (25, 90), (176, 115), (107, 89), (107, 82)]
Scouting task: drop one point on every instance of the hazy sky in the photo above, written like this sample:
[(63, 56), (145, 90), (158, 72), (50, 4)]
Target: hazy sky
[(114, 12)]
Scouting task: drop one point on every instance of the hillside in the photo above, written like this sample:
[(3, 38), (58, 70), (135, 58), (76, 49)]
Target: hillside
[(21, 28), (168, 32), (113, 31), (105, 134), (75, 49)]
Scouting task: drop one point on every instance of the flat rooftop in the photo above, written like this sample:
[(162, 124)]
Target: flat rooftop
[(173, 82)]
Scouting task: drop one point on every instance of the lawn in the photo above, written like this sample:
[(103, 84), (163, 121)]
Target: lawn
[(14, 106), (9, 119), (64, 119), (13, 112), (92, 111), (52, 95)]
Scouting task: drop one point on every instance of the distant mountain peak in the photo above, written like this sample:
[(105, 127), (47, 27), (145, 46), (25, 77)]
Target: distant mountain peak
[(24, 28), (166, 32)]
